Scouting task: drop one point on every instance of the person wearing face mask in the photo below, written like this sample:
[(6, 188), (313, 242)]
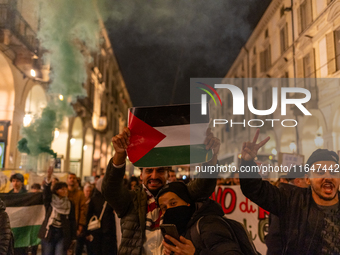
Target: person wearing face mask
[(215, 236), (140, 215), (58, 230)]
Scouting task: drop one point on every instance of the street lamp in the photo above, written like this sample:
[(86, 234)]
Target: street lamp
[(33, 73), (27, 119), (56, 133), (318, 141), (274, 152), (292, 146)]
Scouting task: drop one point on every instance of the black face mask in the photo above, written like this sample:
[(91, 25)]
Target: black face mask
[(179, 216)]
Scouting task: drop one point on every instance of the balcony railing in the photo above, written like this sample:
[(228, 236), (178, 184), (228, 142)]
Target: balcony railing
[(11, 19)]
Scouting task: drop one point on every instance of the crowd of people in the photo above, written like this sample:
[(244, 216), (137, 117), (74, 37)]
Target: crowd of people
[(304, 209), (69, 209)]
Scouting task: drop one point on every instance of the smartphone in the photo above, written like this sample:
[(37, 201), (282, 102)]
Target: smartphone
[(171, 230)]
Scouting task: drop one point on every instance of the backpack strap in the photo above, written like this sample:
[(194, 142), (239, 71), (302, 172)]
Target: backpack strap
[(195, 235)]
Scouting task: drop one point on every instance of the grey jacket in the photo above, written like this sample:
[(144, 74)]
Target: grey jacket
[(131, 206)]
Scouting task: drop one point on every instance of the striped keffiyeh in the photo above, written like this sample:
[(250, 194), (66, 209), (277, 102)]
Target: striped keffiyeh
[(153, 244)]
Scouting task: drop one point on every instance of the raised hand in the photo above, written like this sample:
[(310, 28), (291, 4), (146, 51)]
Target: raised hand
[(212, 142), (250, 149), (120, 143), (49, 173)]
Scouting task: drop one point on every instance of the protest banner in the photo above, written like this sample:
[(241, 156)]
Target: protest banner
[(237, 207), (26, 213), (290, 159)]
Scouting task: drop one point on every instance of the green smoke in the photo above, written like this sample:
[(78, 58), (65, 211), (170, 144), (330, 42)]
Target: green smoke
[(39, 133), (69, 33)]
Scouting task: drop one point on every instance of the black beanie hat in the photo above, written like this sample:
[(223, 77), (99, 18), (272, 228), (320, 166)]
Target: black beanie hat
[(179, 188), (322, 155)]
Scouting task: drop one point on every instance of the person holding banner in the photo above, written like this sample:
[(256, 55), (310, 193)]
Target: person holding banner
[(309, 217), (139, 213), (17, 181)]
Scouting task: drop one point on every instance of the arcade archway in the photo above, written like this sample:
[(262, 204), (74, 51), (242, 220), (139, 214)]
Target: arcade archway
[(88, 153), (76, 146)]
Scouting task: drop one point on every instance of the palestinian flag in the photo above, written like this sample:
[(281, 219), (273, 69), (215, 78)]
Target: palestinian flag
[(167, 135), (26, 213)]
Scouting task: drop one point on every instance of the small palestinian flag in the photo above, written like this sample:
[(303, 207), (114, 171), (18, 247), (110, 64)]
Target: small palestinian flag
[(26, 213), (167, 135)]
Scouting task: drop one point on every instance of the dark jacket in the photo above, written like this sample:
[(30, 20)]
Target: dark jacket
[(23, 190), (108, 224), (104, 239), (273, 239), (68, 222), (6, 237), (131, 206), (215, 236), (301, 221)]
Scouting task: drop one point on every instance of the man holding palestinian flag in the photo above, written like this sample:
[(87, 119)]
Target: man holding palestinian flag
[(157, 138)]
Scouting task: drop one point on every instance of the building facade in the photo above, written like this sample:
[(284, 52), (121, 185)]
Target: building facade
[(294, 39), (83, 142)]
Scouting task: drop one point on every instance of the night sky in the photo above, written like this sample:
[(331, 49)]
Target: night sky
[(160, 45)]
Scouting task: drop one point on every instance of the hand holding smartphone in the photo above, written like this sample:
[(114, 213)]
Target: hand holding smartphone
[(171, 230)]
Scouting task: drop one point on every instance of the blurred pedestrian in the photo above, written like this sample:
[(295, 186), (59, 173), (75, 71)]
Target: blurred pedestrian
[(236, 178), (58, 231), (36, 187), (220, 182), (77, 197), (228, 181), (172, 176), (88, 191), (103, 241), (283, 179), (80, 187), (17, 181), (96, 178), (81, 240), (133, 182)]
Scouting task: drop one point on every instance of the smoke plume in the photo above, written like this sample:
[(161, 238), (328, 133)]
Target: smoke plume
[(69, 33)]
